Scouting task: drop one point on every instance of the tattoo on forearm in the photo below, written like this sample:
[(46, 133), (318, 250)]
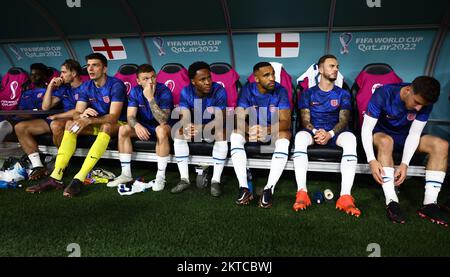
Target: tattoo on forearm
[(159, 114), (132, 121), (305, 115), (344, 117)]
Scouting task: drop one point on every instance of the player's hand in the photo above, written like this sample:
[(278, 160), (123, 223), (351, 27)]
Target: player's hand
[(142, 132), (51, 117), (253, 133), (55, 82), (262, 132), (149, 89), (319, 136), (190, 131), (377, 171), (400, 174), (78, 125), (89, 112)]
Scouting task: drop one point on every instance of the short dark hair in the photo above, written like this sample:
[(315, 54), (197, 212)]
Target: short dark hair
[(72, 65), (41, 67), (97, 56), (144, 68), (324, 58), (427, 87), (257, 66), (193, 68)]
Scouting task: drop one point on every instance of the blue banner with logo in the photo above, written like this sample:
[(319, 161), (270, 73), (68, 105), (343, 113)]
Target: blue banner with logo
[(51, 53), (405, 51), (188, 49)]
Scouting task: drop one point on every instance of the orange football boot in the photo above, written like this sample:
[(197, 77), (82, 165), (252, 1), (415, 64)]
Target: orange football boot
[(346, 203), (301, 200)]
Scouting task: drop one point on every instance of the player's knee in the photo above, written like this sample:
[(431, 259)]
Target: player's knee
[(57, 126), (68, 124), (302, 138), (349, 138), (125, 131), (106, 128), (385, 143), (237, 139), (440, 146), (162, 132), (20, 128)]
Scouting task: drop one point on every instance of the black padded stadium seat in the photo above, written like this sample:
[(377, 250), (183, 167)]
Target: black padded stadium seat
[(82, 141), (128, 69), (16, 70), (172, 67), (146, 146), (220, 68), (322, 153)]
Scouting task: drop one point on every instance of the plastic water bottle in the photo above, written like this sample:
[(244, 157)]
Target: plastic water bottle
[(249, 180)]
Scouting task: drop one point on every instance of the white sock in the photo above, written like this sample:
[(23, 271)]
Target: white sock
[(162, 165), (5, 129), (433, 184), (302, 141), (239, 158), (388, 185), (220, 152), (125, 162), (181, 150), (348, 162), (35, 160), (279, 159)]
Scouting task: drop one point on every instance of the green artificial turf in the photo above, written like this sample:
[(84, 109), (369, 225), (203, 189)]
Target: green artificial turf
[(194, 223)]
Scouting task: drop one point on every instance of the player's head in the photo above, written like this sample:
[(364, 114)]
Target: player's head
[(39, 74), (423, 91), (328, 67), (200, 75), (70, 69), (97, 65), (145, 73), (264, 76)]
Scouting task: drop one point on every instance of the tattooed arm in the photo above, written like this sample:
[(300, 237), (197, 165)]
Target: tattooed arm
[(305, 115), (131, 116), (161, 115), (344, 117)]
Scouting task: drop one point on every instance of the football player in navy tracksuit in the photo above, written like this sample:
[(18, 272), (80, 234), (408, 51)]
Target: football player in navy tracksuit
[(394, 121), (325, 112), (148, 115), (260, 102)]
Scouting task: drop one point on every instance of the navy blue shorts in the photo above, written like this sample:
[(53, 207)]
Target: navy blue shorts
[(151, 129)]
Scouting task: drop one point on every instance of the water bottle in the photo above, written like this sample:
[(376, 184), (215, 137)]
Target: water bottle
[(249, 181)]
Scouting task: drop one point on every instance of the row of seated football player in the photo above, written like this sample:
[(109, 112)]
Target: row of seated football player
[(151, 101)]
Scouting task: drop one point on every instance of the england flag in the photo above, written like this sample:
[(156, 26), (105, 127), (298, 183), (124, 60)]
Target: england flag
[(112, 48), (278, 45)]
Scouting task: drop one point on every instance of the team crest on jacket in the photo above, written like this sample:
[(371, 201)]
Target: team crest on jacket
[(334, 103), (39, 95), (411, 116), (106, 99), (272, 108)]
